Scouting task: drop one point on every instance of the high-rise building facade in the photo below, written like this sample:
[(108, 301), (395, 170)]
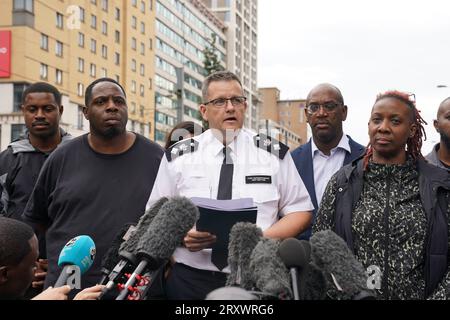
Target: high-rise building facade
[(184, 28), (283, 119), (241, 19), (70, 43)]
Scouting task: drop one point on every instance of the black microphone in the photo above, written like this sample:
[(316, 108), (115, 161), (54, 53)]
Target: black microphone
[(111, 256), (293, 255), (164, 234), (244, 236), (127, 258), (345, 275), (269, 272)]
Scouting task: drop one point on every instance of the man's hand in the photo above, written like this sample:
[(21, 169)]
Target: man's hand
[(91, 293), (54, 293), (40, 274), (196, 240)]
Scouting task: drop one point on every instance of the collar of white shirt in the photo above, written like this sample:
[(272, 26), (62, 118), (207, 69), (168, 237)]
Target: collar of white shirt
[(215, 146), (343, 144)]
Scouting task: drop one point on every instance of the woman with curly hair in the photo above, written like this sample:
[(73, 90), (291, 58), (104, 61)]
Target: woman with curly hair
[(392, 207)]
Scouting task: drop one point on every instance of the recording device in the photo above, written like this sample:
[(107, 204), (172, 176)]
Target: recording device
[(244, 236), (346, 277), (111, 257), (125, 262), (76, 256), (164, 234), (295, 256)]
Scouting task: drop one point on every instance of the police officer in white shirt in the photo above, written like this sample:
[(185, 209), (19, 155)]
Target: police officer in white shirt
[(228, 162)]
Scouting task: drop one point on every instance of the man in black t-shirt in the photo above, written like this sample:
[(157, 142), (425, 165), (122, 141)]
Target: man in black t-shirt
[(95, 183)]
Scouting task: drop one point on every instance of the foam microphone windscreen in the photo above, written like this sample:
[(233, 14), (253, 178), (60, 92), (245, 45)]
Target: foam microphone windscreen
[(244, 236), (111, 256), (142, 226), (167, 231), (269, 272), (344, 272)]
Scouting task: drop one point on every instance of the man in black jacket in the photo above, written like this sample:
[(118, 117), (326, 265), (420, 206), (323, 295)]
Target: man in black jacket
[(21, 162)]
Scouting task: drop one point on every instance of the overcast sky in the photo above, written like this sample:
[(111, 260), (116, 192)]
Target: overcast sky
[(363, 47)]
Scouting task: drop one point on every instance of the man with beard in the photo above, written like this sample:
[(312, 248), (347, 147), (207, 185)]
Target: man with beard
[(96, 183), (21, 162), (329, 149), (440, 155)]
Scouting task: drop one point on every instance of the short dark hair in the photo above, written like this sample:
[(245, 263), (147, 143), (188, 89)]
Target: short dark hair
[(88, 93), (190, 126), (14, 237), (42, 87), (218, 76)]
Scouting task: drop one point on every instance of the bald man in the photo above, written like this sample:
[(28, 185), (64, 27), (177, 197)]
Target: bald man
[(440, 155), (329, 148)]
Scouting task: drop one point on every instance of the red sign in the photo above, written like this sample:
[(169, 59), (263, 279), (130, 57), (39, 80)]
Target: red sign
[(5, 54)]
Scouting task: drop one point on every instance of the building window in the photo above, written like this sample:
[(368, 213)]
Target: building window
[(133, 108), (104, 28), (133, 86), (104, 51), (141, 111), (44, 42), (80, 89), (81, 39), (80, 118), (104, 73), (82, 14), (24, 5), (105, 5), (117, 58), (133, 22), (59, 20), (133, 43), (59, 48), (117, 36), (117, 14), (94, 2), (134, 3), (142, 69), (59, 76), (80, 64), (133, 65), (142, 28), (93, 70), (93, 46), (43, 71), (17, 99), (17, 131), (150, 44), (142, 48), (143, 6), (93, 21), (142, 90)]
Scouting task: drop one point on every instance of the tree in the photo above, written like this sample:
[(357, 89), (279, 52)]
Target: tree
[(211, 64)]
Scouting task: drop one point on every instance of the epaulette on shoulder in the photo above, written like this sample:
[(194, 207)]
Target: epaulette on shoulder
[(271, 145), (180, 148)]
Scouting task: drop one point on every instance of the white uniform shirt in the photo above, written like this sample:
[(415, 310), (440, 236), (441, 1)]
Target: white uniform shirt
[(197, 174), (325, 166)]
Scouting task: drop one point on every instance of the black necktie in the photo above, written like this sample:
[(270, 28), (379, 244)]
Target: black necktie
[(219, 255), (226, 176)]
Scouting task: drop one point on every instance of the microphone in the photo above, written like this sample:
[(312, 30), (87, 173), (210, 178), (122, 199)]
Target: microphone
[(127, 251), (111, 257), (295, 258), (345, 275), (244, 236), (269, 272), (76, 257), (164, 234)]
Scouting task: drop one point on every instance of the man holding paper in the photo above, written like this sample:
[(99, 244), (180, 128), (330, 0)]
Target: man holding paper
[(228, 162)]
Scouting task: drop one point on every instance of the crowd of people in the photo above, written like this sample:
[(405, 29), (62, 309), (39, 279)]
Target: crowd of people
[(386, 200)]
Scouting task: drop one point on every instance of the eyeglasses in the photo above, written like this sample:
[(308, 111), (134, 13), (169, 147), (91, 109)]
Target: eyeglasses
[(222, 102), (328, 107)]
